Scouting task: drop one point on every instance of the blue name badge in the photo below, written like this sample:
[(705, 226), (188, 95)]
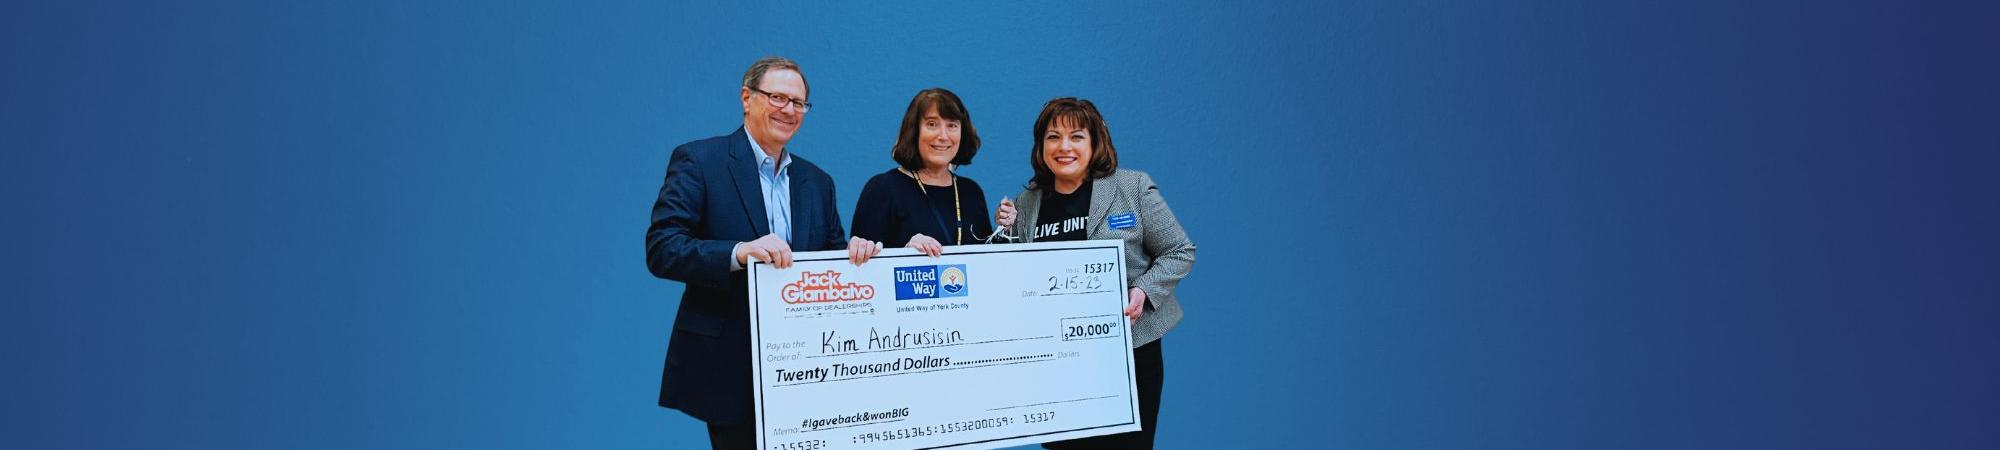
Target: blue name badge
[(1122, 221)]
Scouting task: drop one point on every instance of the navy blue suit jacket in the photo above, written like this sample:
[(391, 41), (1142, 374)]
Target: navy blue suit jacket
[(710, 201)]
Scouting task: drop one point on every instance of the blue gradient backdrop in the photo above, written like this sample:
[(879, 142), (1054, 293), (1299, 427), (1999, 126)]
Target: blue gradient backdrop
[(1490, 225)]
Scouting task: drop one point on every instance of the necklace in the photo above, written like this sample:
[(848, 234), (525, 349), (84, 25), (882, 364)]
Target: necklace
[(957, 210)]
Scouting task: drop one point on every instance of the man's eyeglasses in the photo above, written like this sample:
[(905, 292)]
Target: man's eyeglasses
[(780, 100)]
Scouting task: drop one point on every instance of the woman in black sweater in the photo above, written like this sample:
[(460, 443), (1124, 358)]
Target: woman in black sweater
[(921, 204)]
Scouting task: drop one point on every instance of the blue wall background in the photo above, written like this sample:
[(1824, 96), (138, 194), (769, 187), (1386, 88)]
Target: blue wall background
[(1422, 224)]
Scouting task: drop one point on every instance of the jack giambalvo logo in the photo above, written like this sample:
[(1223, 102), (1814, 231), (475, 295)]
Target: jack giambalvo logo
[(920, 282), (824, 287)]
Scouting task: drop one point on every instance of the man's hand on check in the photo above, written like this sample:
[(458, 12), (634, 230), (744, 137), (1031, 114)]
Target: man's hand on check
[(769, 249)]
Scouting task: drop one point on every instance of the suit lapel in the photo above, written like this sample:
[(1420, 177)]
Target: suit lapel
[(743, 168), (1027, 208), (1102, 192)]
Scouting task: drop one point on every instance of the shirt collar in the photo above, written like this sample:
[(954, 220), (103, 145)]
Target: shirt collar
[(757, 151)]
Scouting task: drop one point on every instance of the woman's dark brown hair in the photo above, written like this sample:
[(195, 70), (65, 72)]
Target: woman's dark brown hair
[(950, 108), (1082, 114)]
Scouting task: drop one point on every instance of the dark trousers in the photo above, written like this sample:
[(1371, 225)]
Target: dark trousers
[(1151, 370), (742, 436)]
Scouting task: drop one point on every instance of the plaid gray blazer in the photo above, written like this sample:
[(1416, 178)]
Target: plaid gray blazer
[(1157, 252)]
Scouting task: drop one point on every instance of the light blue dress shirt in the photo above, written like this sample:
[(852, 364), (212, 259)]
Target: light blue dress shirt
[(774, 177)]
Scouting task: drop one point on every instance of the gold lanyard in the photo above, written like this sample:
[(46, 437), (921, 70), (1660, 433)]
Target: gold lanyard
[(957, 210)]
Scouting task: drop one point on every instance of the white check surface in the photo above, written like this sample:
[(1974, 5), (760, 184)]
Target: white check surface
[(987, 346)]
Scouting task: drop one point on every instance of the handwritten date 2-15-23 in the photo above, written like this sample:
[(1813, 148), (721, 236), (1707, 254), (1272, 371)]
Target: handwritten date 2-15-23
[(1089, 277)]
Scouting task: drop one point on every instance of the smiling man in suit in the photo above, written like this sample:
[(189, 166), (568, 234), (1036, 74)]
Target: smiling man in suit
[(726, 201)]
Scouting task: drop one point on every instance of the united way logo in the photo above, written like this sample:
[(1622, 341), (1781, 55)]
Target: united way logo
[(951, 280), (921, 282)]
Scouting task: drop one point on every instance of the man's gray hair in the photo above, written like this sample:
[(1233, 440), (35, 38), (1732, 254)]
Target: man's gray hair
[(754, 76)]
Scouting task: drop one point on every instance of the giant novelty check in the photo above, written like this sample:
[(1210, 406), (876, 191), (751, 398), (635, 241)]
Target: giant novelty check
[(987, 346)]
